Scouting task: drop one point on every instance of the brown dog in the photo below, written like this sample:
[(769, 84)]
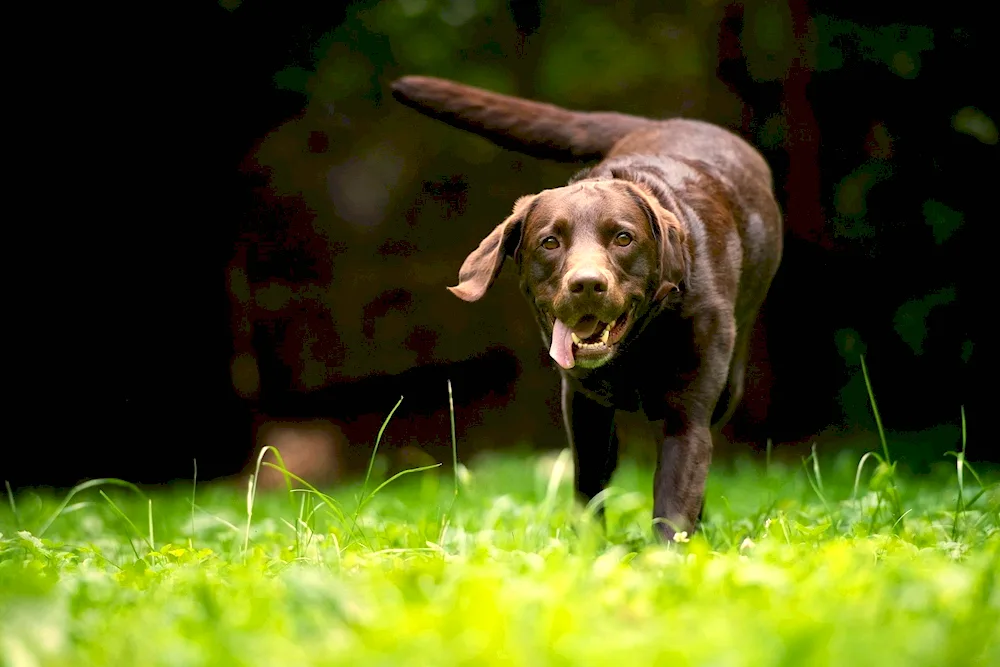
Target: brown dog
[(645, 273)]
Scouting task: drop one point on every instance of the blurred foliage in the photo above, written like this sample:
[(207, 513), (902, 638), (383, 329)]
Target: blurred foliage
[(911, 318), (897, 47)]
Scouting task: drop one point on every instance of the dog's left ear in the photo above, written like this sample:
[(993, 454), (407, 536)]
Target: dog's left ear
[(675, 260), (483, 264)]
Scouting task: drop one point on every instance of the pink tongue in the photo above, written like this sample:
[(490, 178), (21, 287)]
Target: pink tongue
[(562, 345)]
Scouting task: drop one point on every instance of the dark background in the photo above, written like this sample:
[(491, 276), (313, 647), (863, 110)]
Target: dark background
[(259, 237)]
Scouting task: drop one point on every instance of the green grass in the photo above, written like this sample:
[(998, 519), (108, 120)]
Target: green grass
[(788, 570)]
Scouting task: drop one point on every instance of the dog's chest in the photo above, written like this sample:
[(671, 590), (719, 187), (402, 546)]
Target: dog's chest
[(660, 360)]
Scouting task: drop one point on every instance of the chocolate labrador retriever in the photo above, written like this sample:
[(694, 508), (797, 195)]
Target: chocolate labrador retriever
[(645, 273)]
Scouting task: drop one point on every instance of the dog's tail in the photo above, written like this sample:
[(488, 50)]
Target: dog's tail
[(533, 128)]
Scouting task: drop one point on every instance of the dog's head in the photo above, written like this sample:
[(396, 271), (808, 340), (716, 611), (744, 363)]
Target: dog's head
[(593, 257)]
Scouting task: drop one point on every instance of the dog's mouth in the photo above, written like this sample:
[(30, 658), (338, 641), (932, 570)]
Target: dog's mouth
[(590, 342)]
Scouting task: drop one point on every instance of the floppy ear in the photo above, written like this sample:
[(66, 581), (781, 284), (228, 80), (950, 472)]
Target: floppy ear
[(675, 259), (483, 265)]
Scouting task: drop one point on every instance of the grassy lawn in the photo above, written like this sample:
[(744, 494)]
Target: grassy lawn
[(790, 569)]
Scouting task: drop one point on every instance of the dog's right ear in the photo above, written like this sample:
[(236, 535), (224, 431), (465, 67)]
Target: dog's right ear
[(483, 265)]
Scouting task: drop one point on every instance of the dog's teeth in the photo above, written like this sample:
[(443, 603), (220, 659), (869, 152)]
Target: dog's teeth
[(576, 339), (606, 335)]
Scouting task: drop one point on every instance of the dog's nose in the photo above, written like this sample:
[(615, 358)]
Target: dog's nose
[(588, 281)]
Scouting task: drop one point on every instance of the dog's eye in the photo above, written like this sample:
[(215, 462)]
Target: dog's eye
[(550, 243), (623, 239)]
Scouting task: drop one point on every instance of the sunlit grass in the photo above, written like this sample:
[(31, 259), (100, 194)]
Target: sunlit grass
[(824, 563)]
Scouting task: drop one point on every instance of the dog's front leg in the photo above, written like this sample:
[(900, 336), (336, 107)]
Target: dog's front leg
[(679, 483), (686, 448), (592, 437)]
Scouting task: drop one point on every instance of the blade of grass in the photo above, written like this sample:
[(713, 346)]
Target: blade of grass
[(77, 506), (454, 441), (599, 501), (901, 517), (555, 479), (875, 513), (149, 518), (251, 493), (817, 485), (975, 498), (288, 482), (331, 503), (128, 522), (194, 490), (337, 550), (225, 523), (965, 464), (83, 486), (857, 475), (959, 470), (378, 440), (556, 475), (762, 517), (445, 519), (13, 505), (299, 547), (878, 417), (252, 490), (961, 465), (371, 464), (397, 476), (327, 500), (897, 508)]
